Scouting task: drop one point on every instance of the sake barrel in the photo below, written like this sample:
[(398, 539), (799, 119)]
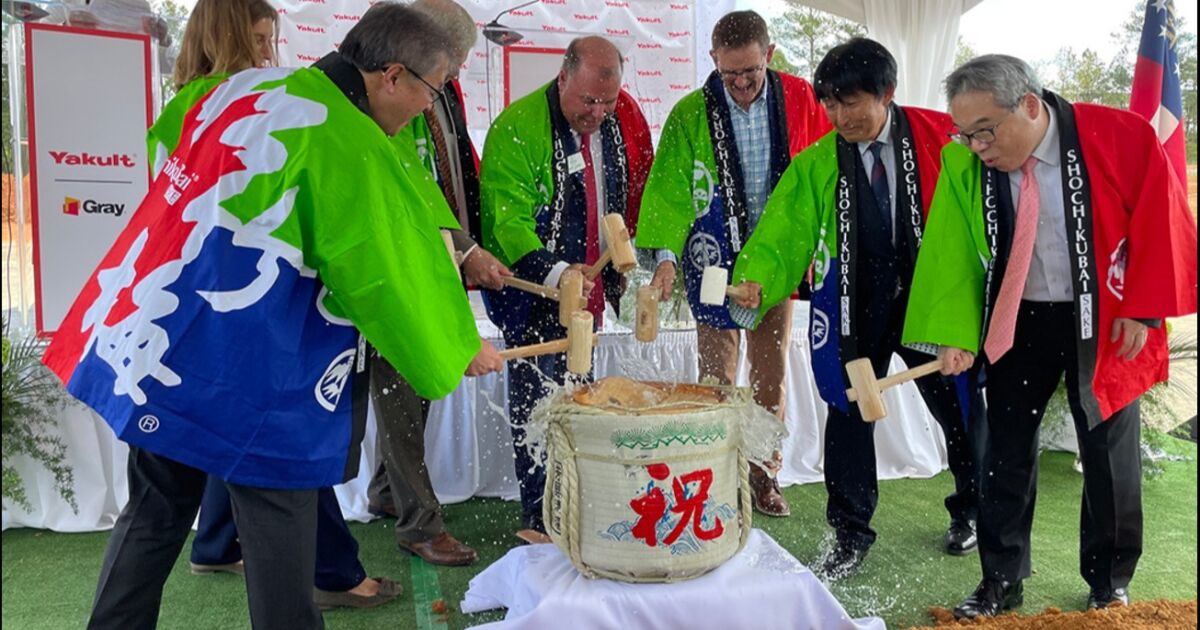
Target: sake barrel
[(647, 482)]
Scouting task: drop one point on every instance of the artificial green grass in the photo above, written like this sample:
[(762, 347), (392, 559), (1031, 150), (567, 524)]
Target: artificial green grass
[(49, 578)]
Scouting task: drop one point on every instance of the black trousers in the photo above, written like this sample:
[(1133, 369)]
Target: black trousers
[(277, 531), (216, 541), (401, 479), (851, 479), (1019, 386)]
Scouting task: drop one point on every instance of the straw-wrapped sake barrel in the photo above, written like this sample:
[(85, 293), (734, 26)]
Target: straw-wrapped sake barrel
[(647, 482)]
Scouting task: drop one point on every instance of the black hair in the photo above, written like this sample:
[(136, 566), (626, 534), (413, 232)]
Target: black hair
[(859, 65)]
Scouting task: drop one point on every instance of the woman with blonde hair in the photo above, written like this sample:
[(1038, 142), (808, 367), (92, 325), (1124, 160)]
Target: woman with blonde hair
[(222, 37)]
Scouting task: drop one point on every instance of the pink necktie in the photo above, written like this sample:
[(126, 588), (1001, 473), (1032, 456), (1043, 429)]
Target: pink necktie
[(1004, 318)]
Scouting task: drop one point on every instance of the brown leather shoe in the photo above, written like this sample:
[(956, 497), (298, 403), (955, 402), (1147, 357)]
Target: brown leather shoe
[(388, 590), (765, 491), (442, 549)]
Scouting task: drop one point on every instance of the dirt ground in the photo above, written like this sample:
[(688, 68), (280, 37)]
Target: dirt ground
[(1152, 615)]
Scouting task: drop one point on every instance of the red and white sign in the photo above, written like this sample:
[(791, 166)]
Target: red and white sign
[(90, 102)]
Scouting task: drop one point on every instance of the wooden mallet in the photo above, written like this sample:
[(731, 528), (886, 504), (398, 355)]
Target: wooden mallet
[(646, 324), (569, 297), (868, 390), (714, 286), (577, 345), (618, 247)]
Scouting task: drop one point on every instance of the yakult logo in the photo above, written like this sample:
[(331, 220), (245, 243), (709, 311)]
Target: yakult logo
[(645, 45), (526, 13), (346, 17), (649, 73), (620, 4), (676, 6), (680, 59), (617, 31), (304, 28), (67, 158), (676, 34), (647, 20), (552, 29), (587, 17), (308, 58)]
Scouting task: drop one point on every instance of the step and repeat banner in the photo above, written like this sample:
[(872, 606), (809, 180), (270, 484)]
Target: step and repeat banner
[(657, 37)]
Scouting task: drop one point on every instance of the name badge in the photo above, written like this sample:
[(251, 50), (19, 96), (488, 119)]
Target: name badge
[(574, 163)]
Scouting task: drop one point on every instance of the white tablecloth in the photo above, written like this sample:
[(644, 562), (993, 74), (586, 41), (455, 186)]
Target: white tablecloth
[(469, 447), (540, 588)]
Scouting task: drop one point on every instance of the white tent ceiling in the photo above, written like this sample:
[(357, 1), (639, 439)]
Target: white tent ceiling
[(921, 34)]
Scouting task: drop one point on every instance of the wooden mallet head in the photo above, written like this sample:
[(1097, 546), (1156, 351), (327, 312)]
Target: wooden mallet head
[(714, 286), (616, 239), (570, 295), (646, 325), (580, 337), (865, 388)]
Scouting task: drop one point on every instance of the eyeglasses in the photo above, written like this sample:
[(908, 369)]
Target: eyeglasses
[(987, 135), (438, 93), (745, 72)]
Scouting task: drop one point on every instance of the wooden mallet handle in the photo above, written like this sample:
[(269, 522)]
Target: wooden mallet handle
[(900, 377), (532, 287)]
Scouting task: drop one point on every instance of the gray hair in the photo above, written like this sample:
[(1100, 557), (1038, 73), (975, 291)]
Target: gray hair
[(454, 20), (1006, 78), (390, 33), (590, 45)]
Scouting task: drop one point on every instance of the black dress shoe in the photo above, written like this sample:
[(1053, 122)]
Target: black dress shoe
[(991, 598), (843, 561), (960, 539), (1103, 597)]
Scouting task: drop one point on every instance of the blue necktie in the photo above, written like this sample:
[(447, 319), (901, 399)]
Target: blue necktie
[(879, 186)]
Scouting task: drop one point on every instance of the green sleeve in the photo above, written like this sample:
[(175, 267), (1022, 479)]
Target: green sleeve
[(388, 270), (945, 306), (412, 146), (668, 205), (514, 180), (780, 249)]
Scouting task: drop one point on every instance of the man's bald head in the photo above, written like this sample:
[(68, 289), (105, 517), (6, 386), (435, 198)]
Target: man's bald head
[(595, 52), (589, 83)]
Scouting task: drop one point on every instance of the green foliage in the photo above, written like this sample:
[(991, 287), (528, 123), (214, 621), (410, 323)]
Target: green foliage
[(964, 53), (809, 33), (32, 395), (780, 63)]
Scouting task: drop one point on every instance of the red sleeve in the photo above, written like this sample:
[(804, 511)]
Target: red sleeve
[(640, 150), (1160, 270), (805, 116), (931, 132)]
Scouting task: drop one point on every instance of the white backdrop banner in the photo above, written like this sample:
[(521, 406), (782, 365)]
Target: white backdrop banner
[(657, 37), (89, 100)]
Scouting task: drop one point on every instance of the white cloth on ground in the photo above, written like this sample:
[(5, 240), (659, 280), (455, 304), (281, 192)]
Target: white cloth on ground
[(542, 589)]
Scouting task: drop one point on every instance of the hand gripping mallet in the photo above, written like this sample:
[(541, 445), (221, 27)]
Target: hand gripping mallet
[(569, 297), (618, 248), (577, 345), (714, 286), (646, 320), (868, 390)]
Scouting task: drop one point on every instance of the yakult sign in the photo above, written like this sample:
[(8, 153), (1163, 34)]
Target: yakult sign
[(89, 104)]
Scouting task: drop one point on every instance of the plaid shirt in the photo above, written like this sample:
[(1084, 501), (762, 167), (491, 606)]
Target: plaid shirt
[(752, 132)]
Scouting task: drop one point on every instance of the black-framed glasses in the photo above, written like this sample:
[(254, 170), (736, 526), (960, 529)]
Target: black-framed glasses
[(438, 93), (987, 135), (744, 72)]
